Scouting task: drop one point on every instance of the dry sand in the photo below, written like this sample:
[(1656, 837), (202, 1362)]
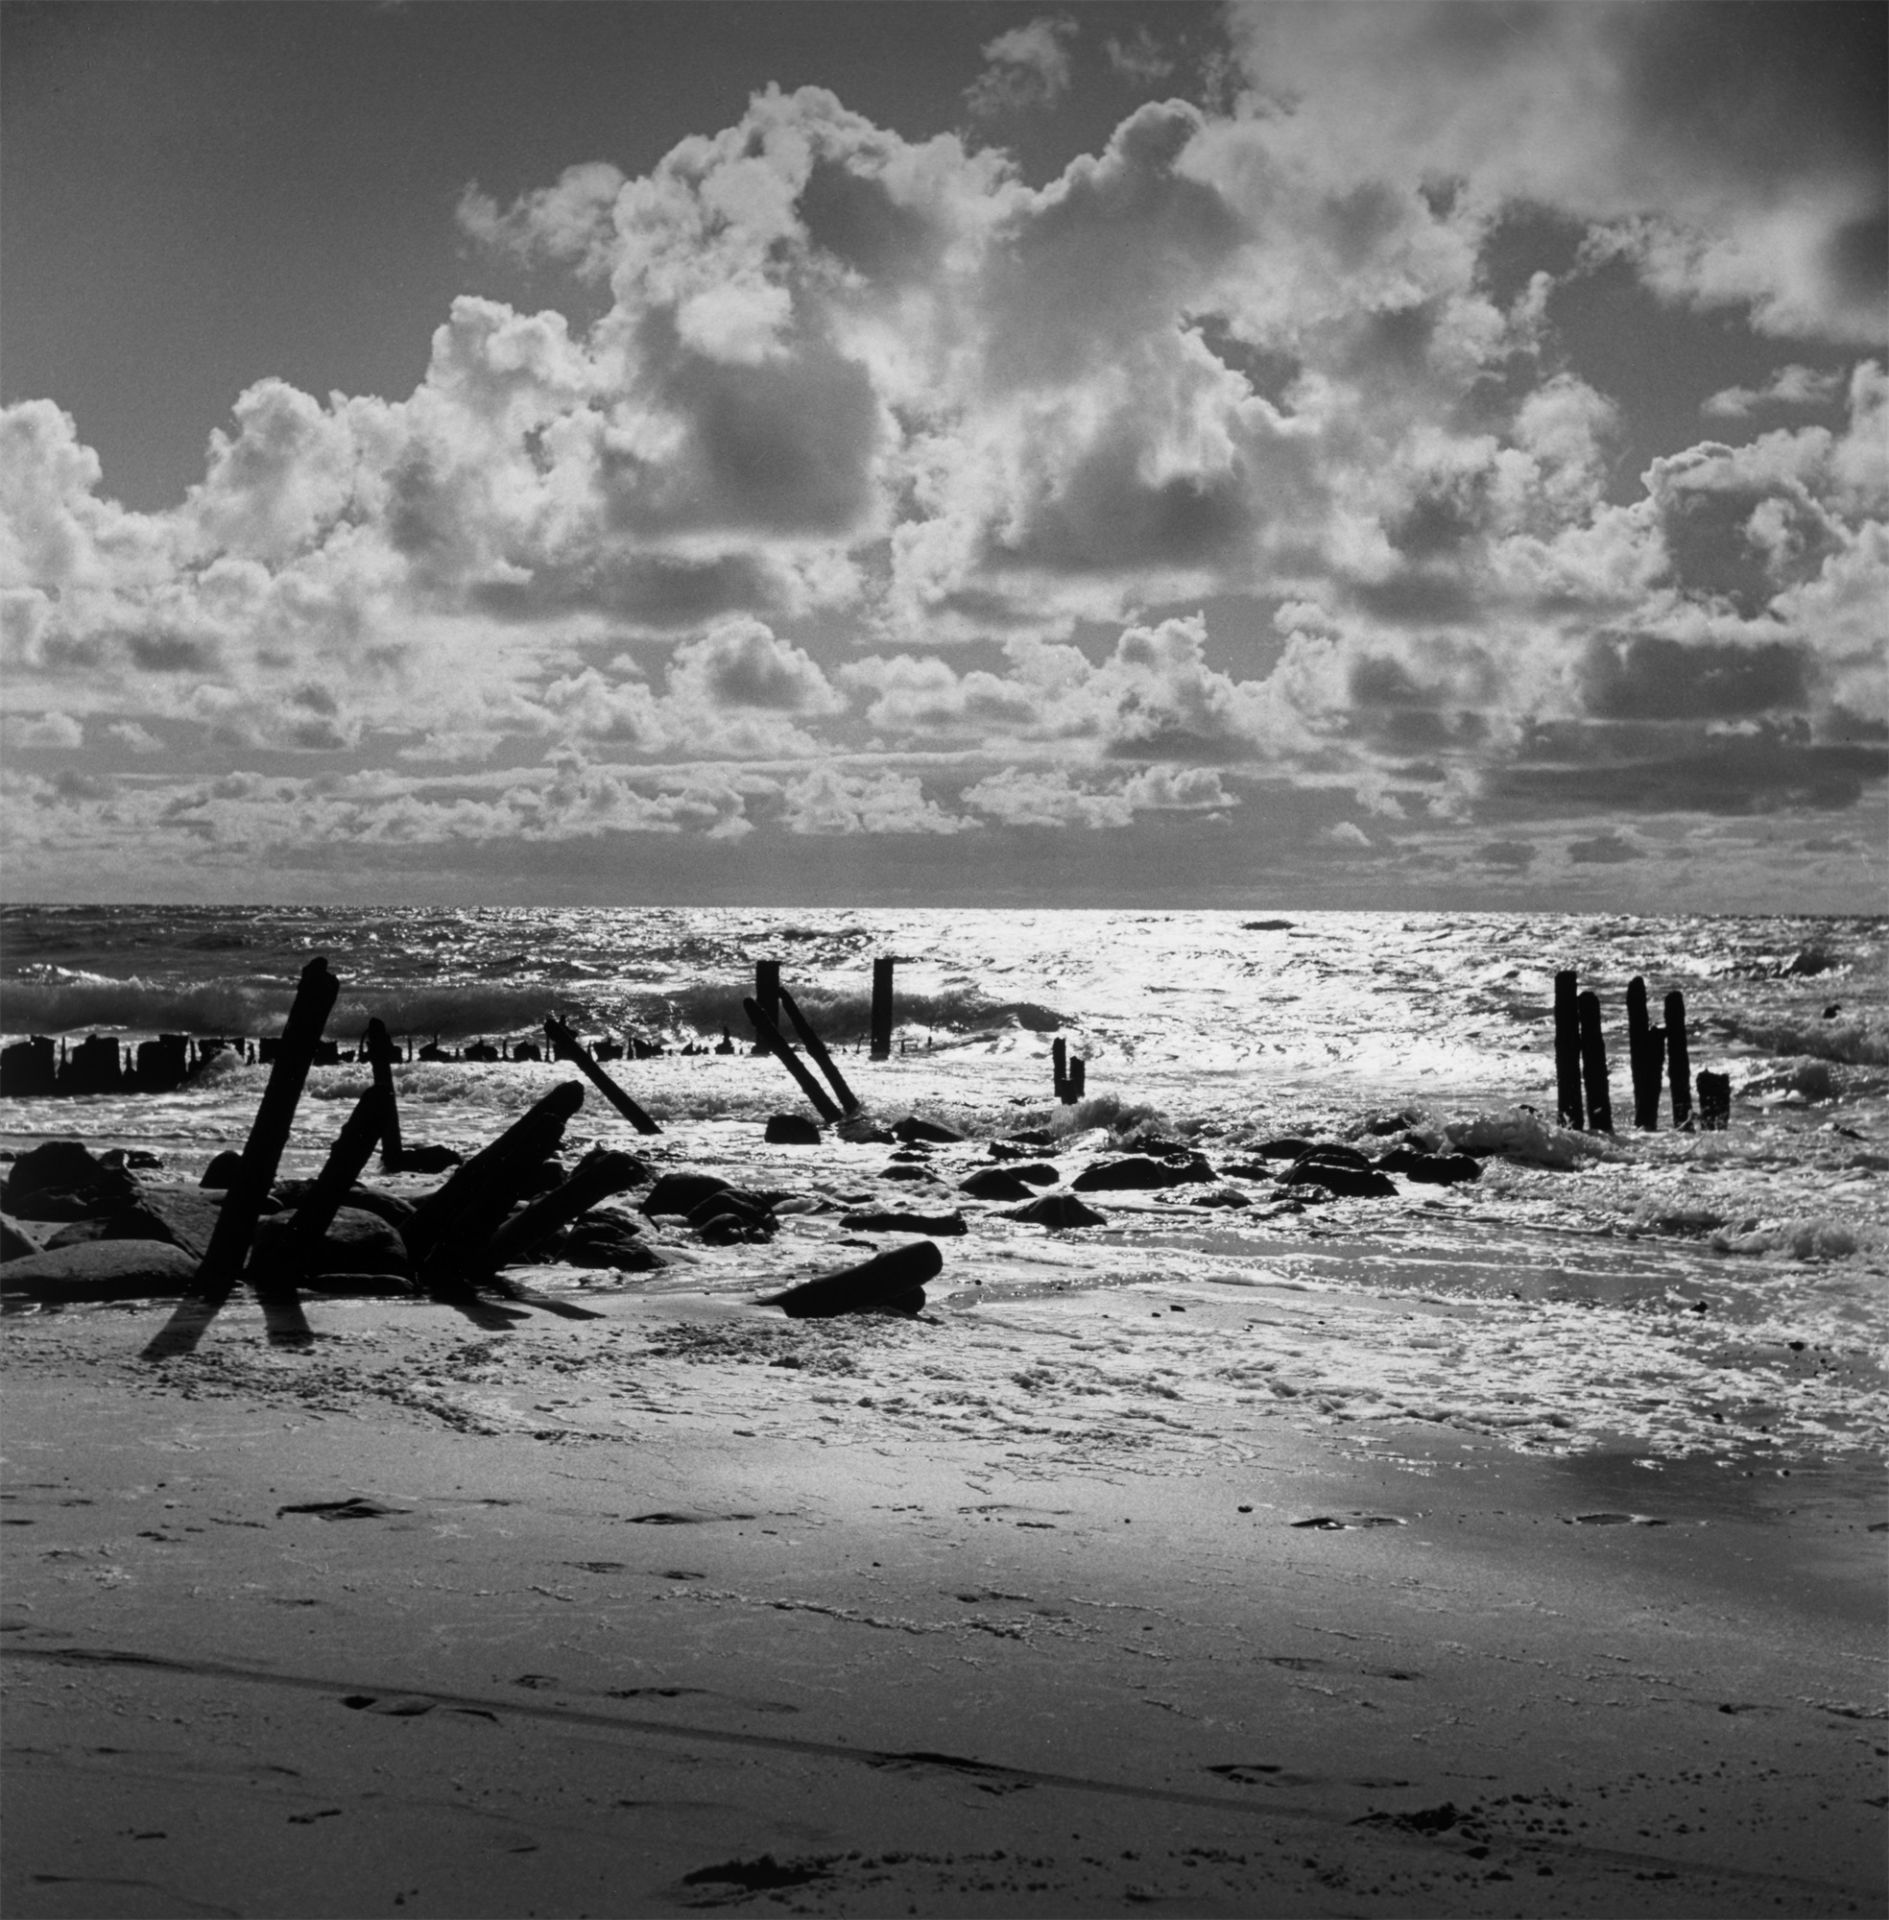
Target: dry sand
[(697, 1607)]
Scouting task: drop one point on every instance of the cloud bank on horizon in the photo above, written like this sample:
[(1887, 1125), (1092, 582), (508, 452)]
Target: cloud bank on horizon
[(1230, 502)]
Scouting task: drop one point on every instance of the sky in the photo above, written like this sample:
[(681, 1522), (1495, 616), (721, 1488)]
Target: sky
[(1431, 454)]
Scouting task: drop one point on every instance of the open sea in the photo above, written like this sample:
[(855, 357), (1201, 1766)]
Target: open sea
[(1664, 1296)]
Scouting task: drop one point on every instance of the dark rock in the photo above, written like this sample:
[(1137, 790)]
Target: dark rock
[(861, 1132), (1247, 1170), (908, 1173), (63, 1180), (1058, 1210), (1147, 1140), (1289, 1147), (356, 1242), (1335, 1170), (913, 1155), (391, 1208), (1430, 1169), (1139, 1171), (679, 1192), (101, 1270), (16, 1245), (1039, 1173), (745, 1206), (995, 1183), (606, 1240), (913, 1128), (891, 1282), (791, 1130), (420, 1159), (940, 1224), (1222, 1197), (220, 1174)]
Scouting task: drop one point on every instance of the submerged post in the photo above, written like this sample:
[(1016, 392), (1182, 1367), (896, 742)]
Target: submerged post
[(1078, 1080), (566, 1045), (228, 1251), (1059, 1068), (882, 1007), (380, 1051), (1567, 1050), (1678, 1059), (1715, 1102), (1600, 1106), (767, 995)]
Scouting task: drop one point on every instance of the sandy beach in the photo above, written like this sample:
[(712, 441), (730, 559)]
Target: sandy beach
[(1028, 1605)]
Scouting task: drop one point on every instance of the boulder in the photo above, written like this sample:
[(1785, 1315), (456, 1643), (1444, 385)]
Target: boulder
[(1221, 1197), (101, 1270), (1288, 1147), (16, 1244), (791, 1130), (941, 1225), (1335, 1170), (679, 1192), (420, 1158), (1039, 1173), (908, 1173), (1058, 1210), (996, 1183), (892, 1282), (607, 1240), (1430, 1169), (356, 1242), (185, 1216), (913, 1128), (222, 1171), (1138, 1171), (63, 1180), (391, 1208)]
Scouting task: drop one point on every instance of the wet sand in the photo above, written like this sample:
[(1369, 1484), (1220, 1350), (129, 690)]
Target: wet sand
[(1027, 1606)]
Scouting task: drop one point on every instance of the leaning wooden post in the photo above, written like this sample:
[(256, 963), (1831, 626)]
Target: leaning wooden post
[(1643, 1060), (767, 992), (596, 1177), (1059, 1068), (1567, 1050), (1678, 1059), (816, 1047), (228, 1251), (882, 1008), (1600, 1106), (770, 1039), (566, 1045), (380, 1051)]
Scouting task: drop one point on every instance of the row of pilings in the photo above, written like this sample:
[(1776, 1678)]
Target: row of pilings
[(1659, 1054)]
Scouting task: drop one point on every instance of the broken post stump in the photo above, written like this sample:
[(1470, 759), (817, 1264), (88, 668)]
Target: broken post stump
[(1678, 1059), (821, 1058), (566, 1045), (1078, 1080), (1715, 1101), (891, 1282), (596, 1177), (882, 1008), (767, 994), (1567, 1050), (1059, 1068), (507, 1163), (228, 1252), (1643, 1058), (1600, 1106), (380, 1052), (770, 1039)]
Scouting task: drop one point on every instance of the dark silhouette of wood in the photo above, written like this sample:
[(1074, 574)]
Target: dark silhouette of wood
[(1644, 1058), (767, 994), (815, 1047), (228, 1252), (507, 1163), (1715, 1102), (566, 1045), (1078, 1080), (1059, 1068), (380, 1053), (770, 1039), (1567, 1050), (882, 1008), (1600, 1106), (596, 1177), (1678, 1059), (890, 1282)]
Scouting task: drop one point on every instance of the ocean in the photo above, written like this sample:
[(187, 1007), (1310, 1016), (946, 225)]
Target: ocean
[(1659, 1297)]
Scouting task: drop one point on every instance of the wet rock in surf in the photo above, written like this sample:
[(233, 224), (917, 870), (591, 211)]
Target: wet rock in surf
[(1138, 1171), (791, 1130), (913, 1128), (680, 1192), (1430, 1169), (1058, 1210), (892, 1282), (996, 1183), (1340, 1171), (101, 1270), (356, 1242), (63, 1180), (943, 1224), (221, 1173)]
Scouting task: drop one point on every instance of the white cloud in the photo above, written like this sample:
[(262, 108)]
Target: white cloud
[(828, 801), (1029, 67), (1791, 386), (41, 730)]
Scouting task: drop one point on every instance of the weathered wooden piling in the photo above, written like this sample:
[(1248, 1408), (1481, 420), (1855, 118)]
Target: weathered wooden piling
[(1567, 1050), (566, 1045), (1678, 1059), (29, 1069), (1600, 1106), (767, 994), (1643, 1058), (1715, 1101), (1078, 1080), (770, 1039), (882, 1007), (380, 1054), (228, 1252), (1059, 1068), (816, 1049)]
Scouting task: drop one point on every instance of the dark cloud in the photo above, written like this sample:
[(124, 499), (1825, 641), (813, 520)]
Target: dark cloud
[(1605, 850), (1647, 677), (1512, 856)]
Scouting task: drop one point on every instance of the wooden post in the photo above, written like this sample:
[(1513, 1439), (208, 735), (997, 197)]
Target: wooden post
[(228, 1251), (1567, 1051), (1715, 1102), (1078, 1080), (770, 1039), (1059, 1067), (1678, 1059), (767, 993), (380, 1050), (1600, 1106), (522, 1148), (595, 1177), (882, 1008), (1643, 1058), (821, 1058), (566, 1045)]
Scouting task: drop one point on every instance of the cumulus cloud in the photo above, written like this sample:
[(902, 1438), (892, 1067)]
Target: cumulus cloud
[(1139, 56), (1029, 66), (1791, 386), (828, 801), (41, 730)]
